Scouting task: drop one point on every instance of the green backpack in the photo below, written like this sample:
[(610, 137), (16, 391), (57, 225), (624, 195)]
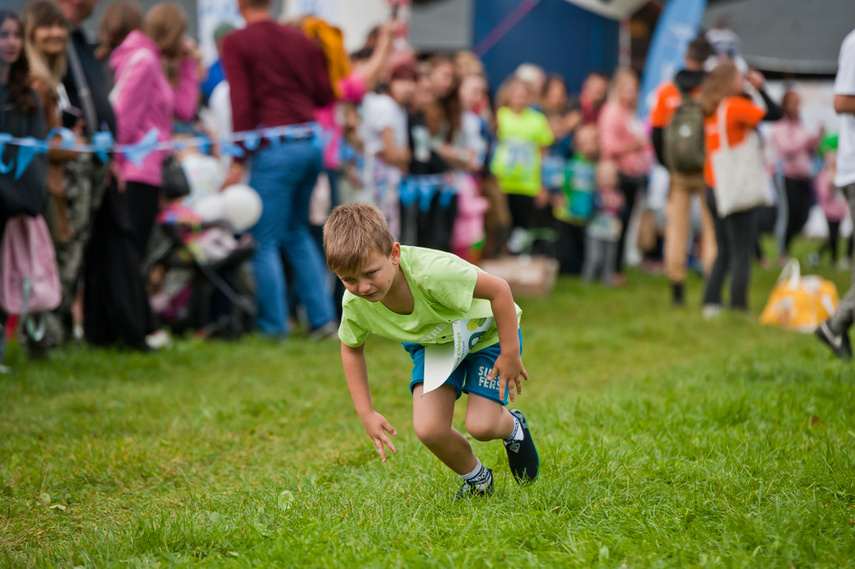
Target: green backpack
[(685, 148)]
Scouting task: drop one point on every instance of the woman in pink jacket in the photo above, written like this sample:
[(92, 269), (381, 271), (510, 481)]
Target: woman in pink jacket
[(157, 80), (624, 140)]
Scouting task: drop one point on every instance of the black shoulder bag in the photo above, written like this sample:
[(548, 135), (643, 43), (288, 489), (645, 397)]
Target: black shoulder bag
[(28, 193)]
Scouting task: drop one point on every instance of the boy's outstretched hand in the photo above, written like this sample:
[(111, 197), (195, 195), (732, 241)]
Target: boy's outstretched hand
[(510, 369), (379, 429)]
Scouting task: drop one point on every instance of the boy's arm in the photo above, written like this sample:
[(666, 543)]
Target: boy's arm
[(356, 374), (509, 366)]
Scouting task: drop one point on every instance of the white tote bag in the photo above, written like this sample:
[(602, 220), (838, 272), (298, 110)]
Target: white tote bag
[(740, 178)]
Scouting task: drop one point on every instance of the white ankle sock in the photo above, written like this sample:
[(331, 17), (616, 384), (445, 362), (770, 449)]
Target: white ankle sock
[(479, 475), (517, 434)]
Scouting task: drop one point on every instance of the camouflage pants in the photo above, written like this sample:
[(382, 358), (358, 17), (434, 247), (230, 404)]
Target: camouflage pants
[(83, 187)]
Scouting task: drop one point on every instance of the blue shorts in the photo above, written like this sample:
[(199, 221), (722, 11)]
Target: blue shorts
[(470, 377)]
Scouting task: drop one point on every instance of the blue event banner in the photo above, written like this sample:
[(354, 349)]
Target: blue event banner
[(678, 25)]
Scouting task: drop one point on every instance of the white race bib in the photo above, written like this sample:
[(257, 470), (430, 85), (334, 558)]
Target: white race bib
[(442, 359)]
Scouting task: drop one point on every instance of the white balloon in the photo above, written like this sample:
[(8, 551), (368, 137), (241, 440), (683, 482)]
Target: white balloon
[(210, 208), (241, 206)]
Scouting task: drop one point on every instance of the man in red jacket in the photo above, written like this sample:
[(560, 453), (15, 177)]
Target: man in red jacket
[(277, 77)]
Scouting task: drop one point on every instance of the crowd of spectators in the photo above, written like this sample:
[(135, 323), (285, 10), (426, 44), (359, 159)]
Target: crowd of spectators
[(532, 170)]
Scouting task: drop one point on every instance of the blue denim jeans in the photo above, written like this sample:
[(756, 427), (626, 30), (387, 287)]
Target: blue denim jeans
[(284, 176)]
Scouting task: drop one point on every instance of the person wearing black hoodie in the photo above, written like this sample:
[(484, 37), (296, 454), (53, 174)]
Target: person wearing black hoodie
[(683, 185)]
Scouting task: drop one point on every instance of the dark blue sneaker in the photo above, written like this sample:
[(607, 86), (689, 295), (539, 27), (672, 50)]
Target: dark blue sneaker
[(522, 455), (468, 490)]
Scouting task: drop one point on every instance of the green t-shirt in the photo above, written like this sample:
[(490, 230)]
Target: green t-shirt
[(516, 162), (442, 285)]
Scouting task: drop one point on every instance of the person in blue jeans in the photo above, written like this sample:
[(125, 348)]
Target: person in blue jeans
[(284, 176), (278, 77)]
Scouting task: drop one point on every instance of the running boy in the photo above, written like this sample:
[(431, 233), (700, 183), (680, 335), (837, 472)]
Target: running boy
[(415, 295)]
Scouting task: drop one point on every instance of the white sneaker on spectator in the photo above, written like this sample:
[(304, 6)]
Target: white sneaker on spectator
[(158, 339), (711, 311), (328, 330)]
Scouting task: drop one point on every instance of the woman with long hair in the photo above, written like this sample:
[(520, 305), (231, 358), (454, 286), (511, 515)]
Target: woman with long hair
[(554, 97), (45, 40), (624, 141), (15, 71), (157, 80), (118, 20), (20, 117), (736, 234)]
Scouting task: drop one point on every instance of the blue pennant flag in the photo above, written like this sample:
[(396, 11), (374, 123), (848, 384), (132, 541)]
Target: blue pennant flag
[(320, 137), (5, 168), (273, 136), (445, 197), (251, 141), (138, 152), (27, 150), (67, 137), (407, 192), (232, 149), (427, 190), (204, 144), (102, 143)]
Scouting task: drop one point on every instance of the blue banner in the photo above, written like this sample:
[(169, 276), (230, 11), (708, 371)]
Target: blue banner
[(423, 187), (678, 25), (103, 144)]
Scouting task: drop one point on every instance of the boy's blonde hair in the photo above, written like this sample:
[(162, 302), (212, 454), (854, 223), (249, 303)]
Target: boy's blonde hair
[(352, 233)]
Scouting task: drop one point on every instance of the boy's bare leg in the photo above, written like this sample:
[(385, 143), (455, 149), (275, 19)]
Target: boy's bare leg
[(432, 416), (487, 420)]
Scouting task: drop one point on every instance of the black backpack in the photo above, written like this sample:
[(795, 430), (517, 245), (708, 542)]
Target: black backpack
[(685, 148)]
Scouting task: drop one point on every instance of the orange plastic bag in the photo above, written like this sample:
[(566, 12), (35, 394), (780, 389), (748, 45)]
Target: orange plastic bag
[(799, 303)]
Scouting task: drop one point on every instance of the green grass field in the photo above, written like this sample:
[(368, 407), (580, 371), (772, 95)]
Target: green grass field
[(666, 441)]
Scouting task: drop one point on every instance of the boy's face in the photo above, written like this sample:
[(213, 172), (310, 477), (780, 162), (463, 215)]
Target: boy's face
[(373, 280)]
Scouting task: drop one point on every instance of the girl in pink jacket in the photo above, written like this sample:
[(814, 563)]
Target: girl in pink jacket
[(833, 204), (795, 147), (624, 140), (157, 80)]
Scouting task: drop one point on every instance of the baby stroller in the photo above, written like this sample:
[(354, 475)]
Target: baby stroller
[(199, 278)]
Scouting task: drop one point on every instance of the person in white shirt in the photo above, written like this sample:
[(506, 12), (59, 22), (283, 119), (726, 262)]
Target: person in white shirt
[(384, 133), (835, 331)]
